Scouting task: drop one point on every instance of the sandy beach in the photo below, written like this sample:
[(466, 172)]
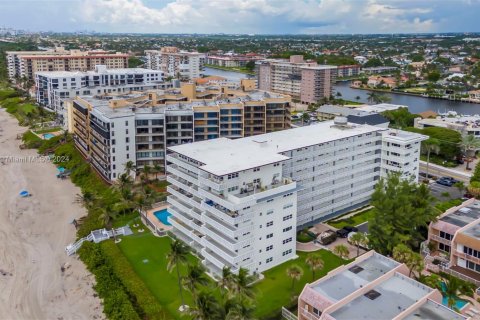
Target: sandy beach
[(33, 234)]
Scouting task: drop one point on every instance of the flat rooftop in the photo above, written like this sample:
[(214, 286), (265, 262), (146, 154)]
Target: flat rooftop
[(385, 301), (464, 215), (432, 310), (381, 107), (250, 152), (355, 277), (400, 136)]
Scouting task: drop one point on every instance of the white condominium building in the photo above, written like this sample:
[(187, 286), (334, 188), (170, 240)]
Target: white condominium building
[(53, 87), (401, 153), (175, 63), (334, 163), (230, 202)]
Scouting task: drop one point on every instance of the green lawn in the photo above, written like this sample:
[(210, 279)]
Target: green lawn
[(140, 247), (353, 220), (275, 290)]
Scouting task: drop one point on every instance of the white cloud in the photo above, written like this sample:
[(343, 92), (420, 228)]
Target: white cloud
[(257, 16)]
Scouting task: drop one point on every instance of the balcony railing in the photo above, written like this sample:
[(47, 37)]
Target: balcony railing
[(440, 239)]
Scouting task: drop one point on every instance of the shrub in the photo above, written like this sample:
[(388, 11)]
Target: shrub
[(116, 303), (444, 206)]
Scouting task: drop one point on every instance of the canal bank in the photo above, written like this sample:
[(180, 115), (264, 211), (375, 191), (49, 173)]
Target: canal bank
[(415, 103)]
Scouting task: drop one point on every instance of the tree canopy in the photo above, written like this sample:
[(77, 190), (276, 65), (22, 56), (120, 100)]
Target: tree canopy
[(401, 208), (449, 140), (400, 118)]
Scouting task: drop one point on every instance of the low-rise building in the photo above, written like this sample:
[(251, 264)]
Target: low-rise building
[(231, 60), (453, 244), (372, 287), (54, 87), (463, 124), (353, 115), (348, 71), (176, 63)]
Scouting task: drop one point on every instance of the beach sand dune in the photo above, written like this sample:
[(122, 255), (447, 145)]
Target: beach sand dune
[(33, 234)]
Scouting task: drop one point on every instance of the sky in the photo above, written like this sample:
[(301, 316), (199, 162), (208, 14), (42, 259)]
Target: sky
[(243, 16)]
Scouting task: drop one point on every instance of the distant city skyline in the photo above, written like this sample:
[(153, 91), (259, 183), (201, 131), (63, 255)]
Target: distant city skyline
[(243, 16)]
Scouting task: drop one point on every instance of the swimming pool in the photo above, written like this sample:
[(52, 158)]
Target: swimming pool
[(162, 216), (47, 136), (459, 303)]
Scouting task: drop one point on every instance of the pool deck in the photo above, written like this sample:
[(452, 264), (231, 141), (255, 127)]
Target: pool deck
[(154, 220)]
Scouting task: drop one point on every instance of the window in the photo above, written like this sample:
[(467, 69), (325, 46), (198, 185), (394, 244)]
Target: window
[(445, 235), (256, 169), (288, 206), (270, 223), (127, 139), (232, 175), (443, 247), (284, 253), (126, 123), (317, 312), (269, 212), (269, 235), (269, 260), (270, 247), (127, 148), (113, 141), (287, 217), (287, 240), (271, 200), (287, 229)]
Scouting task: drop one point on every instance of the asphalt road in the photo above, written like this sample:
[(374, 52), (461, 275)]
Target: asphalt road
[(440, 171), (438, 189)]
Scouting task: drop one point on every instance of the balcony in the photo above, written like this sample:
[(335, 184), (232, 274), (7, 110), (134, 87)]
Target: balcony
[(187, 209), (440, 239), (173, 159), (466, 256), (211, 257), (212, 182), (181, 174), (253, 193), (185, 187), (180, 194), (308, 315), (225, 228)]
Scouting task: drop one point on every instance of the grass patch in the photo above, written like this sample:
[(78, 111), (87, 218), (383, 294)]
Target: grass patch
[(304, 237), (146, 247), (235, 69), (275, 290), (445, 205), (355, 220)]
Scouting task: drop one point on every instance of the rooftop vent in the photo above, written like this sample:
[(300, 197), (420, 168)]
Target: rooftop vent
[(340, 121), (372, 294), (356, 269)]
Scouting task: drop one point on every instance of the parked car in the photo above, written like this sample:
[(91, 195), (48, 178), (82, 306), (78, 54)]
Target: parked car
[(342, 233), (327, 237), (467, 196), (450, 179), (445, 182), (351, 229)]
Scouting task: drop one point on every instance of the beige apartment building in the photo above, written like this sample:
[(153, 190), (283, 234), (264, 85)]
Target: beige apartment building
[(27, 63), (305, 81), (138, 127), (453, 244), (372, 287)]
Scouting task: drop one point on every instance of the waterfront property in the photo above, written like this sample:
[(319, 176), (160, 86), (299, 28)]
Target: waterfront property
[(372, 287), (176, 63), (54, 87), (463, 124), (453, 244), (112, 130), (244, 210), (303, 80)]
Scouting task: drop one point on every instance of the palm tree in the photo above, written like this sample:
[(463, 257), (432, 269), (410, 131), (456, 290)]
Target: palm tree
[(430, 145), (147, 171), (130, 167), (227, 278), (452, 288), (205, 307), (372, 96), (124, 181), (342, 251), (470, 145), (86, 200), (107, 215), (157, 169), (241, 309), (358, 239), (241, 284), (315, 262), (305, 117), (294, 272), (177, 255), (195, 277)]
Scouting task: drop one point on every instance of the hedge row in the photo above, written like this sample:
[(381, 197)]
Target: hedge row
[(142, 298), (116, 301)]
